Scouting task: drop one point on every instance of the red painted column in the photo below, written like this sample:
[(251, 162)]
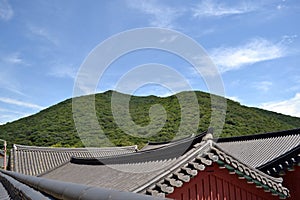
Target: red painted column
[(292, 181)]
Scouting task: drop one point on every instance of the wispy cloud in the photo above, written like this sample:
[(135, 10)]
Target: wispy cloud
[(3, 110), (210, 8), (256, 50), (295, 86), (6, 11), (8, 74), (43, 33), (288, 39), (7, 115), (20, 103), (4, 118), (282, 5), (263, 85), (162, 15), (14, 58), (63, 71), (288, 107), (12, 88), (9, 83), (234, 98)]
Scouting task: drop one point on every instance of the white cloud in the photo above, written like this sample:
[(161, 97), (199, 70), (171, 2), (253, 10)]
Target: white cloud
[(3, 110), (256, 50), (7, 115), (63, 71), (234, 98), (11, 116), (43, 33), (163, 16), (20, 103), (295, 86), (14, 58), (279, 7), (10, 83), (282, 5), (209, 8), (6, 11), (263, 85), (288, 107), (288, 39), (4, 118)]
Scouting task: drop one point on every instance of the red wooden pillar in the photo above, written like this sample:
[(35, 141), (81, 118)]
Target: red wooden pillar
[(292, 181)]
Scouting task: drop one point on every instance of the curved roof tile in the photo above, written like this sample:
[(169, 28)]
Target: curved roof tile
[(262, 150), (32, 160), (154, 172)]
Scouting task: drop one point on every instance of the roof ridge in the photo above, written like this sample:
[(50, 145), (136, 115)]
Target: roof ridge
[(25, 147), (55, 189), (158, 145), (177, 140), (207, 153), (277, 180), (259, 136), (164, 152), (206, 145)]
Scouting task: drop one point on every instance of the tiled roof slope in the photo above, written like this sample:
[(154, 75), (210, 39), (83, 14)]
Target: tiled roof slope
[(156, 172), (123, 177), (262, 150), (123, 172), (19, 186), (31, 160), (3, 193)]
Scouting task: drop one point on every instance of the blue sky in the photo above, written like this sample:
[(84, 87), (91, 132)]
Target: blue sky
[(254, 44)]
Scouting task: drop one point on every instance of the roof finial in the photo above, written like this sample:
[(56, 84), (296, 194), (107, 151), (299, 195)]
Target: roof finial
[(209, 134)]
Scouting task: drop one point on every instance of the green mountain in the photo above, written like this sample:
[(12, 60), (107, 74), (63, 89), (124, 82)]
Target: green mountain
[(55, 125)]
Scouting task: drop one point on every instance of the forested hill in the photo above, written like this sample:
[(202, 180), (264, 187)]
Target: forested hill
[(54, 126)]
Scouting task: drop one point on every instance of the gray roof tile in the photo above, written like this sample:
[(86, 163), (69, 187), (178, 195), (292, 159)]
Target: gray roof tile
[(20, 186), (14, 189), (158, 169), (31, 160), (158, 177), (213, 154), (262, 150), (4, 195), (125, 177)]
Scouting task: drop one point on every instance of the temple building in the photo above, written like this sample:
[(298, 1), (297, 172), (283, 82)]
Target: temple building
[(261, 167)]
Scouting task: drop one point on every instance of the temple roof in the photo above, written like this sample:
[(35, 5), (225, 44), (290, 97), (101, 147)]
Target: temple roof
[(124, 172), (278, 150), (157, 171), (14, 185), (32, 160), (160, 167), (3, 192)]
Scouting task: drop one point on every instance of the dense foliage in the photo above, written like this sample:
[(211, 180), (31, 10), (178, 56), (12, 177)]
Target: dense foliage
[(54, 126)]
